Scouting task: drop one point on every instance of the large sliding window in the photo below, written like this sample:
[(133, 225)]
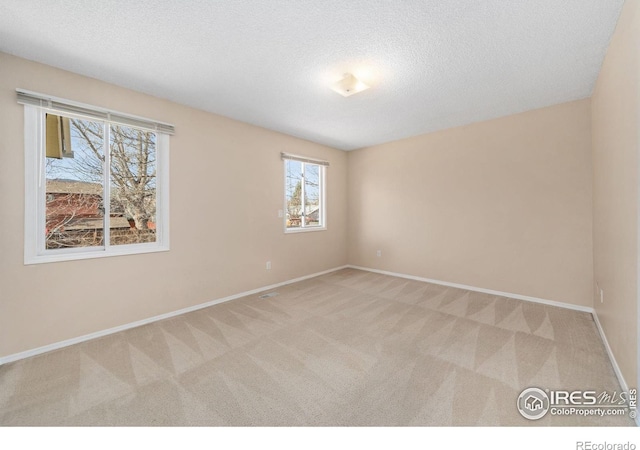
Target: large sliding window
[(96, 183), (304, 193)]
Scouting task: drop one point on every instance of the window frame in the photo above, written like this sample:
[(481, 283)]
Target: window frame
[(35, 251), (322, 176)]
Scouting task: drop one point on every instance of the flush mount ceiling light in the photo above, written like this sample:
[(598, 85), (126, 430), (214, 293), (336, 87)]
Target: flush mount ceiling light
[(349, 85)]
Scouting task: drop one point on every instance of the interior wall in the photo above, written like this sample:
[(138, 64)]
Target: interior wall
[(226, 187), (616, 143), (503, 205)]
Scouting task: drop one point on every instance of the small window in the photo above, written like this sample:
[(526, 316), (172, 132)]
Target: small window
[(304, 195), (94, 187)]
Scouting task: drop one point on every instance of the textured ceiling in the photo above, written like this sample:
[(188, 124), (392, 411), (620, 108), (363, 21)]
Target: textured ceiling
[(432, 64)]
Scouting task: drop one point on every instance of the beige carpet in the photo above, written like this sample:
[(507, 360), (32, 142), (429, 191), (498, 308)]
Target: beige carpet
[(347, 348)]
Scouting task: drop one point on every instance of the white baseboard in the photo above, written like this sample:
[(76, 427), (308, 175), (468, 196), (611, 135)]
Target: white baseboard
[(614, 363), (88, 337), (98, 334), (477, 289), (612, 358)]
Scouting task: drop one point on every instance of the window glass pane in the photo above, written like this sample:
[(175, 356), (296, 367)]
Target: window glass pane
[(74, 180), (312, 211), (293, 193), (133, 186)]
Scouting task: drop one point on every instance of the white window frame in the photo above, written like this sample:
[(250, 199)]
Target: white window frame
[(35, 198), (322, 165)]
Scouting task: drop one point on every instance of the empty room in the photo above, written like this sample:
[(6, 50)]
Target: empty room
[(316, 213)]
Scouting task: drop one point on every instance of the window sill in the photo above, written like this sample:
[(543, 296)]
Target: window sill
[(93, 254), (303, 230)]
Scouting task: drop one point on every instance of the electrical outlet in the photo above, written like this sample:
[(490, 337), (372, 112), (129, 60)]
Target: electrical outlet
[(601, 296), (280, 213), (268, 265), (379, 253)]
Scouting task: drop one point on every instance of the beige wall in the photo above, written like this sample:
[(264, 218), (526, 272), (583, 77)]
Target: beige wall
[(502, 205), (226, 189), (616, 143)]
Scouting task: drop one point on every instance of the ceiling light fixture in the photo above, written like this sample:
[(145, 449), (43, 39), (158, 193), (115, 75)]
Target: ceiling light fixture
[(349, 85)]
